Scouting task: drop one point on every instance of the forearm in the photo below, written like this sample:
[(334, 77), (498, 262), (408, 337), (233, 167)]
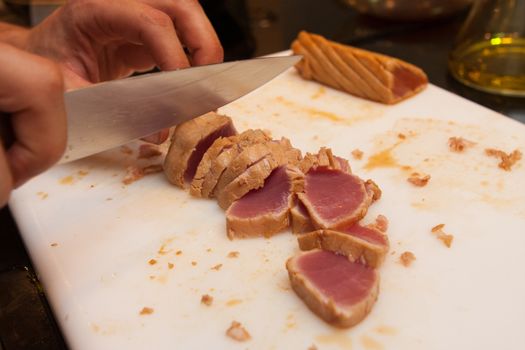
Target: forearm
[(13, 35)]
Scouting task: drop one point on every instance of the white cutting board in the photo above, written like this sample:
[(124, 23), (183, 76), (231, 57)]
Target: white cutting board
[(91, 237)]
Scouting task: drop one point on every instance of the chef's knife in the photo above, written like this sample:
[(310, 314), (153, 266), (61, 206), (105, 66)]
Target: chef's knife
[(109, 114)]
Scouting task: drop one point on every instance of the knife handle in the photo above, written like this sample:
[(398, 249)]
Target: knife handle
[(7, 135)]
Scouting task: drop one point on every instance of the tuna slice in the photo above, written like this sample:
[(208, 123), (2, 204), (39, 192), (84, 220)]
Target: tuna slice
[(265, 211), (300, 219), (212, 166), (189, 143), (364, 244), (249, 170), (334, 198), (339, 291)]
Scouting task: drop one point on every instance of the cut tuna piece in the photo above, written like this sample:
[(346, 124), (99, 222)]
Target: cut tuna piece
[(334, 198), (324, 158), (263, 156), (282, 152), (189, 143), (211, 170), (358, 72), (339, 291), (364, 244), (265, 211), (300, 219)]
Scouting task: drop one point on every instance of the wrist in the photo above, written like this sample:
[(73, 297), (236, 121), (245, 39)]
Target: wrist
[(13, 35)]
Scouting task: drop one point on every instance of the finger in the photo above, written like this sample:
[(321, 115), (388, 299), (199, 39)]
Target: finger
[(194, 28), (136, 58), (137, 23), (31, 91), (6, 180)]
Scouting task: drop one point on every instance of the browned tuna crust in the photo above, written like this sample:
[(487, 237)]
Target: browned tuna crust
[(324, 158), (355, 248), (299, 218), (212, 172), (186, 139), (359, 72), (325, 307)]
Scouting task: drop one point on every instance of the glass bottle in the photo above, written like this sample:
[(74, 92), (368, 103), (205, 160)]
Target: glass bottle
[(489, 52)]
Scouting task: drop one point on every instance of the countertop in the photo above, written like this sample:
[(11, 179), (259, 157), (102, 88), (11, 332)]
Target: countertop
[(246, 29)]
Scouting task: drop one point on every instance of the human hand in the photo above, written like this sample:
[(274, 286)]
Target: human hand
[(99, 40), (32, 96)]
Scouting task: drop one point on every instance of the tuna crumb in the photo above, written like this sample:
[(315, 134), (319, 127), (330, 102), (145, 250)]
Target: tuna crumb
[(194, 263), (407, 258), (146, 311), (170, 266), (357, 154), (209, 250), (442, 236), (233, 254), (126, 150), (179, 252), (237, 332), (459, 144), (506, 160), (152, 261), (147, 151), (134, 173), (418, 179), (217, 267), (206, 299), (312, 347), (42, 195), (54, 244), (401, 136)]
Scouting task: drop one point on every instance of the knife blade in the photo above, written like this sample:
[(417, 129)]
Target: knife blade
[(110, 114)]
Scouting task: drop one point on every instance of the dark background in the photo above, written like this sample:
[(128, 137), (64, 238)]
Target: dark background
[(247, 28)]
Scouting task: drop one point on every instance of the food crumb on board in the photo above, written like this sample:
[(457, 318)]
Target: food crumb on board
[(441, 235), (194, 263), (209, 250), (233, 254), (126, 150), (407, 258), (418, 179), (507, 160), (401, 136), (207, 299), (238, 332), (152, 261), (459, 144), (42, 195), (147, 151), (134, 173), (357, 154), (109, 199), (54, 244), (179, 252), (146, 311), (66, 180), (217, 267), (170, 266), (312, 347)]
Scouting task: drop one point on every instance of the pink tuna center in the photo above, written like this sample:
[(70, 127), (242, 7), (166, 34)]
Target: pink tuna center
[(202, 147), (334, 194), (368, 234), (272, 197), (345, 282), (406, 81)]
